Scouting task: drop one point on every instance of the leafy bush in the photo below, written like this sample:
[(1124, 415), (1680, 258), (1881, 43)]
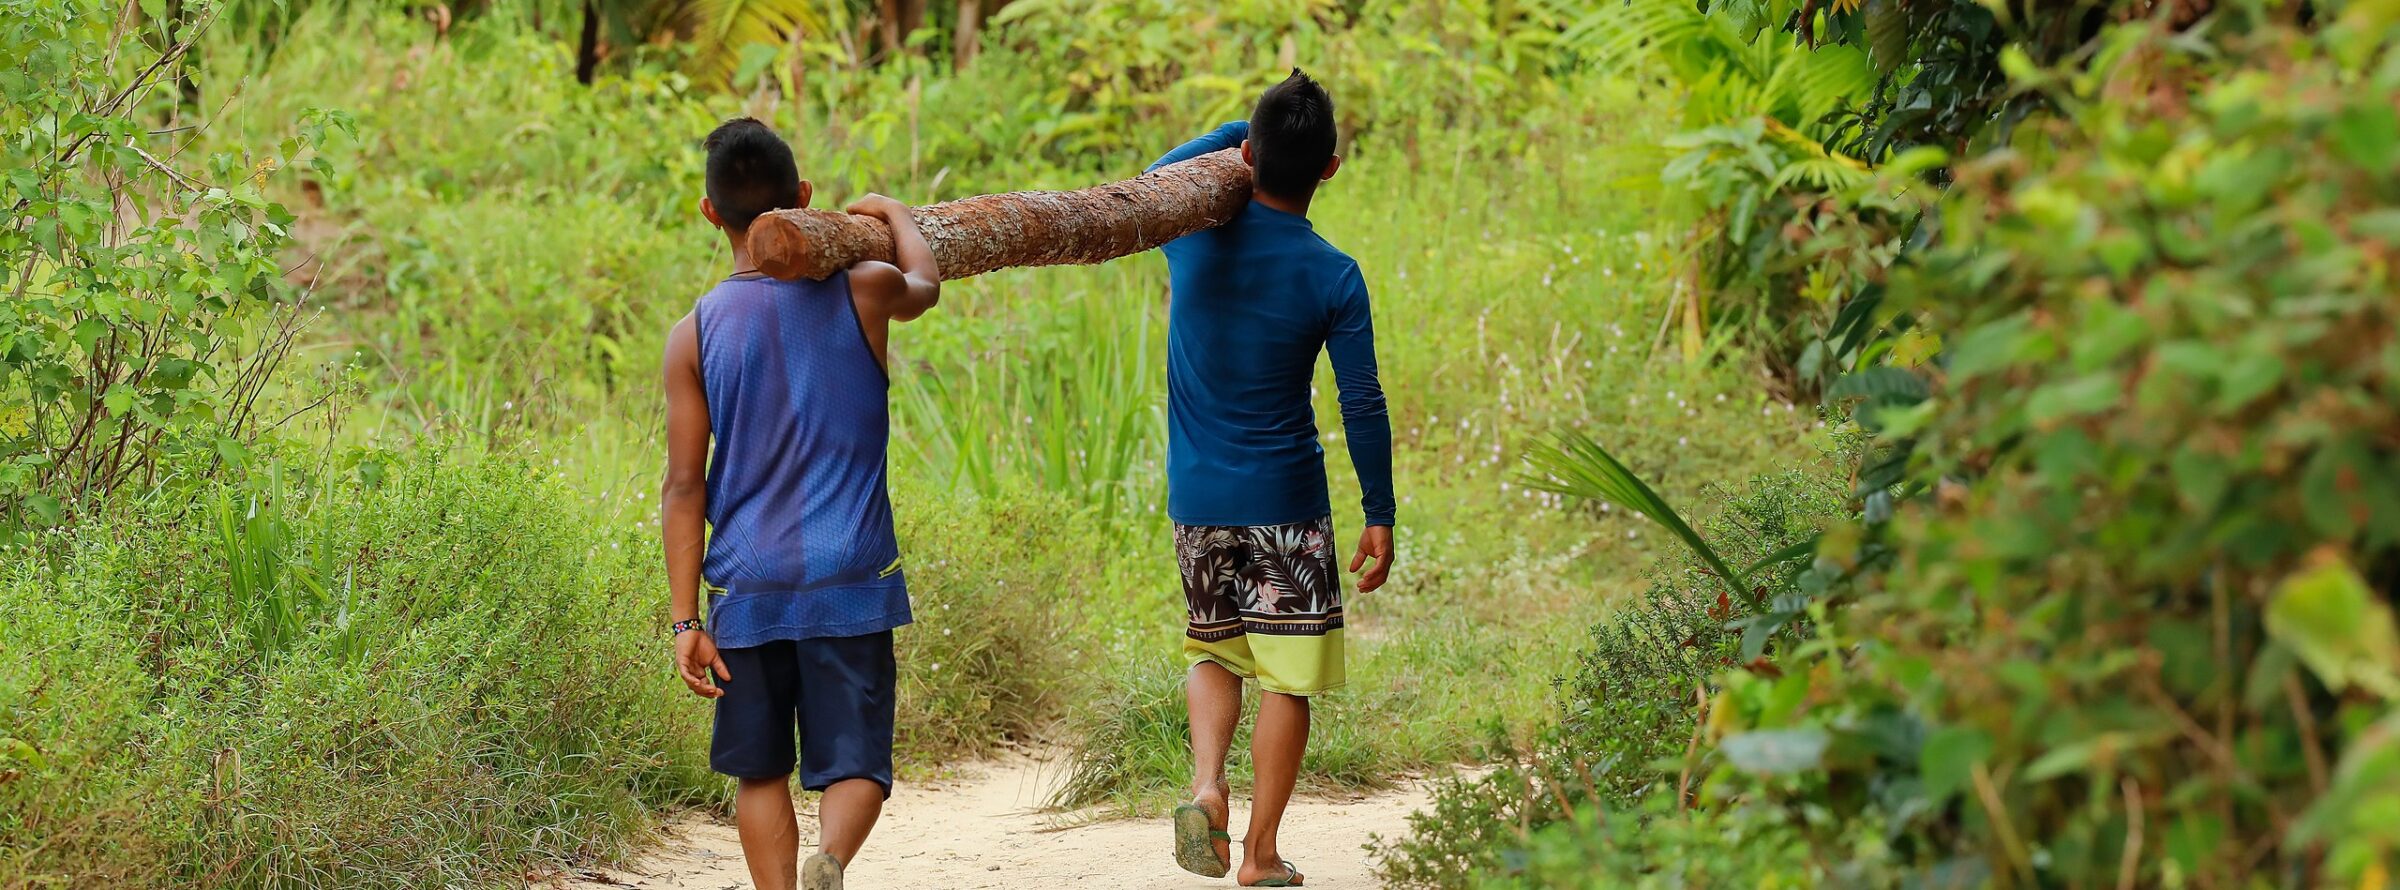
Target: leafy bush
[(146, 302), (2130, 621), (1625, 716), (2144, 616), (433, 721)]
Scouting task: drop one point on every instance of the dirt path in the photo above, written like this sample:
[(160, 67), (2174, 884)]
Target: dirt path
[(985, 829)]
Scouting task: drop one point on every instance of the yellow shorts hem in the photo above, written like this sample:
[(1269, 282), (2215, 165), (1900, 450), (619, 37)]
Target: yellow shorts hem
[(1193, 660), (1298, 694)]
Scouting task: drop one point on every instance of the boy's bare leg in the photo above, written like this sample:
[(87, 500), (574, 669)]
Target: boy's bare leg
[(845, 815), (1214, 697), (1276, 746), (762, 814)]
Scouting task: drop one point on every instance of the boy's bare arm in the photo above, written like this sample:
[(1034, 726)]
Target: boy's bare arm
[(683, 506), (912, 284)]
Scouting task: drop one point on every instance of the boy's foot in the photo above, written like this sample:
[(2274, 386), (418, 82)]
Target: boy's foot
[(821, 872), (1202, 845), (1284, 874)]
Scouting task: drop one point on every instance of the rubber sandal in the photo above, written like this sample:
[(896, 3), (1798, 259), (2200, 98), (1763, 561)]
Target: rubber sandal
[(1196, 843), (821, 872), (1291, 877)]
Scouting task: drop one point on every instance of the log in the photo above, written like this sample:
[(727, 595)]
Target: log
[(971, 236)]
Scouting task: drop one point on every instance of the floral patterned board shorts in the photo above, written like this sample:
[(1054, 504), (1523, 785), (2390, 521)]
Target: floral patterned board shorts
[(1265, 601)]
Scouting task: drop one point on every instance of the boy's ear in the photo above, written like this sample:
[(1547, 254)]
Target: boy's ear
[(1246, 157), (1332, 165), (807, 191), (709, 211)]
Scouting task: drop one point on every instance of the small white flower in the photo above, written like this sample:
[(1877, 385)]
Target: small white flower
[(508, 405), (1681, 441)]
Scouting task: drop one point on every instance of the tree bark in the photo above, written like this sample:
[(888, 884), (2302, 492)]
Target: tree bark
[(971, 236), (969, 36), (587, 50)]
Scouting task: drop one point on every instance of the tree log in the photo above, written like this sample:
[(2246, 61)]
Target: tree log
[(971, 236)]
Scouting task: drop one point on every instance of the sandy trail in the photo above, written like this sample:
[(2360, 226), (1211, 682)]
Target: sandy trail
[(985, 829)]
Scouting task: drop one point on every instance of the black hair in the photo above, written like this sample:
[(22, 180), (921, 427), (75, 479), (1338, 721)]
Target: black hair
[(1291, 136), (750, 171)]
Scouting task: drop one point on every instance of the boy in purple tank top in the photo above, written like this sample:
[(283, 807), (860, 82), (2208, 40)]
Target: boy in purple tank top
[(777, 426)]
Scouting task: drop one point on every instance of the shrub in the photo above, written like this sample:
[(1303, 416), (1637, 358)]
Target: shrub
[(146, 303), (2137, 627), (1626, 715), (434, 720)]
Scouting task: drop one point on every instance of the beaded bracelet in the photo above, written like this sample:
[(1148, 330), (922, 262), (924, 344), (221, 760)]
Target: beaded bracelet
[(684, 625)]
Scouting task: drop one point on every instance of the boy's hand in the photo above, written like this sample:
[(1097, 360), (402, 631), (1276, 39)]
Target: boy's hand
[(1375, 542), (696, 655), (890, 210)]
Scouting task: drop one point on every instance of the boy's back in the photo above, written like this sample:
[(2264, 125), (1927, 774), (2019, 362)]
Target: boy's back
[(796, 499), (1253, 301)]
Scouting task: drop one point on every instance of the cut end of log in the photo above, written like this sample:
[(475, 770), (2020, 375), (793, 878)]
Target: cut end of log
[(780, 248)]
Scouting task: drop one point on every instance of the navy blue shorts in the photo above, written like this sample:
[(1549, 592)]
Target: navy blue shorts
[(825, 704)]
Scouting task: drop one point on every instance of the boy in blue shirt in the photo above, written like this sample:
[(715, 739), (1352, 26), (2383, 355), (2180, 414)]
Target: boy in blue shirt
[(777, 427), (1252, 302)]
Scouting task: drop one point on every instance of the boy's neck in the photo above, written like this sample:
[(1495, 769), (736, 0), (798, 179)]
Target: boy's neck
[(1295, 207), (741, 253)]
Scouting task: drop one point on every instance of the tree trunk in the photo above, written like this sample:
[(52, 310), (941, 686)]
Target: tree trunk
[(898, 19), (971, 236), (970, 32), (587, 50)]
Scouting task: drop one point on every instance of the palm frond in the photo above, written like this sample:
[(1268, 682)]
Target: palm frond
[(721, 29), (1576, 466)]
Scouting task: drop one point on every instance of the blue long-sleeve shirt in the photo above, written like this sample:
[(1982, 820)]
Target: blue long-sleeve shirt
[(1251, 303)]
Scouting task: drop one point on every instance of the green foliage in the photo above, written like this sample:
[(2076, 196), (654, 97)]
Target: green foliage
[(2137, 627), (437, 724), (1624, 716), (992, 581), (146, 299)]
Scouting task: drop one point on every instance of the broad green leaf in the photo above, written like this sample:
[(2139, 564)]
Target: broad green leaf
[(1881, 384), (2337, 626), (119, 400), (2367, 133), (2073, 398), (43, 507), (1775, 751), (1948, 758), (1888, 34)]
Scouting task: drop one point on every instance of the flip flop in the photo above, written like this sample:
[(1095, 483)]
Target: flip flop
[(1196, 843), (821, 872), (1291, 877)]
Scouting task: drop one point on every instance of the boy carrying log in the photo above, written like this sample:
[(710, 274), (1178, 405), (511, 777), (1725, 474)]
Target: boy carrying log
[(1251, 304), (788, 380)]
